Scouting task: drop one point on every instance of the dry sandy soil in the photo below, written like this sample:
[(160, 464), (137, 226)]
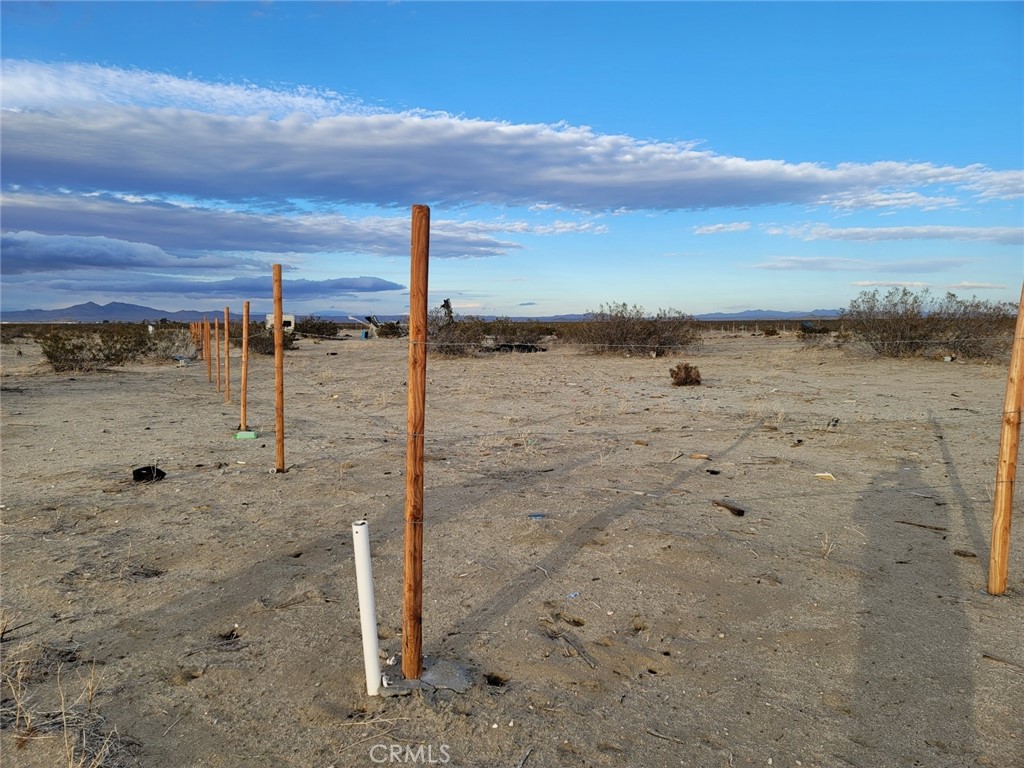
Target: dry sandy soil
[(211, 619)]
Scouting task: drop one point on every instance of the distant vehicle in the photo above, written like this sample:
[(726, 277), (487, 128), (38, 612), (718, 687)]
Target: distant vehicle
[(806, 326)]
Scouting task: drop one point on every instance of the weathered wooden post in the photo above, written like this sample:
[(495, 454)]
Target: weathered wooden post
[(216, 344), (227, 355), (242, 393), (412, 594), (1006, 468), (279, 367), (207, 345)]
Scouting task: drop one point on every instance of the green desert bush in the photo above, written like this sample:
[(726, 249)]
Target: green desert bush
[(629, 331), (90, 349), (906, 324)]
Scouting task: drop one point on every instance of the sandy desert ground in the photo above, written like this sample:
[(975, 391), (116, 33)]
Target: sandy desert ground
[(608, 613)]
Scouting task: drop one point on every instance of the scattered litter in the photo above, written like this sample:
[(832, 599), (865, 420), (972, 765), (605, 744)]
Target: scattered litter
[(713, 471), (148, 474), (536, 516), (573, 595), (246, 435), (833, 424), (825, 476), (699, 456), (738, 511), (964, 553)]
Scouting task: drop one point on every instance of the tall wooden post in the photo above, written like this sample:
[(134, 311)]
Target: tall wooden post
[(216, 344), (243, 387), (206, 347), (412, 595), (279, 367), (1006, 468), (227, 355)]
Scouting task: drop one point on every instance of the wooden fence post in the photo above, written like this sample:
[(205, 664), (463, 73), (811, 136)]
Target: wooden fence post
[(279, 367), (412, 595), (207, 345), (227, 355), (242, 395), (1006, 468), (216, 343)]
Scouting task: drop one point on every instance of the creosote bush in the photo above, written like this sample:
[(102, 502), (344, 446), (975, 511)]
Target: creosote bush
[(261, 339), (392, 330), (455, 336), (316, 326), (95, 347), (906, 324), (685, 375), (629, 331)]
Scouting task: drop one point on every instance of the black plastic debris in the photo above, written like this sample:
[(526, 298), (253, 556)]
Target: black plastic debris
[(148, 474)]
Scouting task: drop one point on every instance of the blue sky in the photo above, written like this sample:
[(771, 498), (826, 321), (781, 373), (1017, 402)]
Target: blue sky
[(697, 156)]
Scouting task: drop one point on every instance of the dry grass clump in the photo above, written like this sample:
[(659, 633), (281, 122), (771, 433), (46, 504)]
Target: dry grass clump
[(49, 716), (685, 375)]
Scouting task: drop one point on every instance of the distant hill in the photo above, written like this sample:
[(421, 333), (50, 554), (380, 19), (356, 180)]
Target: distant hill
[(119, 312), (114, 312), (770, 314)]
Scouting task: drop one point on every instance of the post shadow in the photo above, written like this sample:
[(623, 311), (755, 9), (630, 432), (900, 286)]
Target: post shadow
[(912, 686)]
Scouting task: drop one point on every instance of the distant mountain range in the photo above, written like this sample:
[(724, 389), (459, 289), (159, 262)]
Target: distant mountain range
[(119, 312)]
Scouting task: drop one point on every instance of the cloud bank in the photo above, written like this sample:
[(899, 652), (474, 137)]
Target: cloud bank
[(193, 188)]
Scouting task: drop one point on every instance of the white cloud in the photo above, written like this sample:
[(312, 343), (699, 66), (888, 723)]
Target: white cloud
[(889, 284), (31, 85), (1003, 235), (188, 228), (966, 285), (833, 264), (715, 229), (92, 128)]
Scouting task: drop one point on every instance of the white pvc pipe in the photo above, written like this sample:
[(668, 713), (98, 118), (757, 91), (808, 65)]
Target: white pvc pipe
[(367, 608)]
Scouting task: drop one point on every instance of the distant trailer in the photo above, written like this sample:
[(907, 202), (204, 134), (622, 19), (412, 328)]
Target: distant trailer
[(287, 322)]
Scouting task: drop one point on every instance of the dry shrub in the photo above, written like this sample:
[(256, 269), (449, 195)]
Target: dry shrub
[(504, 330), (685, 375), (629, 331), (906, 324), (93, 348), (261, 339), (391, 330), (316, 326), (454, 336), (168, 343)]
